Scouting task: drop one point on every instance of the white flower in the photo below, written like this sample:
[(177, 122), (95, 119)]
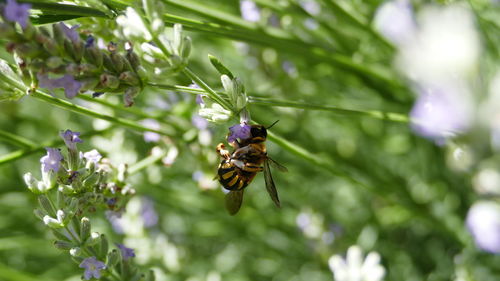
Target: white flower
[(483, 222), (133, 26), (446, 45), (249, 11), (395, 20), (354, 268)]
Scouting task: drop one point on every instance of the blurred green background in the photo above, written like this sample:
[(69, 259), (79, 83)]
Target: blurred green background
[(366, 181)]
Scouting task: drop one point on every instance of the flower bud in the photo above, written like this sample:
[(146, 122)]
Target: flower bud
[(54, 62), (89, 83), (49, 179), (51, 222), (50, 45), (60, 235), (215, 113), (75, 251), (31, 182), (150, 276), (113, 258), (109, 81), (129, 77), (84, 229), (94, 56), (60, 215), (58, 33), (45, 204), (133, 59), (130, 94), (186, 48), (122, 172), (118, 61), (66, 189), (92, 180), (103, 246), (39, 213), (63, 245)]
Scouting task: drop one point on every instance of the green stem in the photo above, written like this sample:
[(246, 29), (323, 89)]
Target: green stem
[(148, 161), (65, 9), (380, 78), (177, 88), (16, 140), (12, 156), (210, 92), (84, 111), (362, 24), (376, 114), (388, 116)]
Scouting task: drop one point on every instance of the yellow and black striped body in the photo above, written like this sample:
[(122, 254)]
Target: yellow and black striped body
[(232, 177)]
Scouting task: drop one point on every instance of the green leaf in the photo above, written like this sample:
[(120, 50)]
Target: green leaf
[(220, 67)]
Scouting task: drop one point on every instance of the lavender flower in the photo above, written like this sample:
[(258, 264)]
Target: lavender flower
[(15, 12), (199, 100), (441, 112), (115, 219), (483, 222), (67, 82), (70, 32), (89, 42), (92, 267), (239, 131), (70, 138), (249, 11), (92, 155), (148, 213), (126, 252), (51, 161), (151, 136), (395, 20), (199, 122)]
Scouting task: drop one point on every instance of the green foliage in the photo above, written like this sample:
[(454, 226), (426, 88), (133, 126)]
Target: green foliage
[(358, 174)]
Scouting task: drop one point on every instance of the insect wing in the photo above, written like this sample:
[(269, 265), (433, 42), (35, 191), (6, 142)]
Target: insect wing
[(277, 165), (233, 201), (271, 188)]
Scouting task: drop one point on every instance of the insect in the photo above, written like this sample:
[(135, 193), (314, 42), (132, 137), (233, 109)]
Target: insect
[(237, 169)]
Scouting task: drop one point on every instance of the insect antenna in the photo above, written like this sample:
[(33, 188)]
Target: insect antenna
[(273, 124)]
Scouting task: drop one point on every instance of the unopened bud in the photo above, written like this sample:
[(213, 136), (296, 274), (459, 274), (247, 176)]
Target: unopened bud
[(84, 229), (186, 47), (94, 56), (109, 81), (63, 245), (129, 77), (113, 258), (75, 252)]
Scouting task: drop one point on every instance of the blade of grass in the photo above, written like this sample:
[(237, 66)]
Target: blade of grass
[(87, 112), (16, 140), (388, 116)]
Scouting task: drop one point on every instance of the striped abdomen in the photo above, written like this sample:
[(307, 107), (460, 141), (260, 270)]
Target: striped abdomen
[(233, 178)]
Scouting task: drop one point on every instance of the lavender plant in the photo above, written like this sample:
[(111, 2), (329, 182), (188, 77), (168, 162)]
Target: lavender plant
[(72, 188), (388, 124)]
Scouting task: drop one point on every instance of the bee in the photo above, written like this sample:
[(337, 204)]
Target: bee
[(238, 169)]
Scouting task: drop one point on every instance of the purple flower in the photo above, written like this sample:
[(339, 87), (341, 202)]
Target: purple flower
[(239, 131), (441, 112), (15, 12), (199, 122), (151, 136), (126, 252), (115, 219), (249, 11), (89, 42), (148, 213), (70, 33), (67, 82), (483, 222), (51, 161), (199, 100), (70, 138), (92, 267), (92, 155), (395, 20)]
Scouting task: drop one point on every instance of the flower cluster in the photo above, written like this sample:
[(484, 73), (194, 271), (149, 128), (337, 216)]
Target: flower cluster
[(85, 183), (58, 57)]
